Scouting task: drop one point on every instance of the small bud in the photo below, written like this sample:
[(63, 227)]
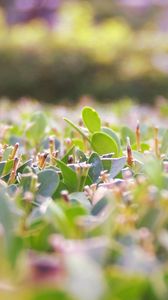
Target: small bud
[(13, 172), (65, 196), (13, 153), (12, 177), (70, 159), (104, 176), (15, 164), (129, 153), (43, 158), (78, 169)]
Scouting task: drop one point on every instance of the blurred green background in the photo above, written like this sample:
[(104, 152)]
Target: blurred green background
[(106, 49)]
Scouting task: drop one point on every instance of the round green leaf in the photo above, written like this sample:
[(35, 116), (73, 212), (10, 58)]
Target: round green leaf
[(91, 119), (112, 133), (49, 181), (102, 143)]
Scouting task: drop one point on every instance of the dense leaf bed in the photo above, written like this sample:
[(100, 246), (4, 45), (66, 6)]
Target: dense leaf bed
[(83, 205)]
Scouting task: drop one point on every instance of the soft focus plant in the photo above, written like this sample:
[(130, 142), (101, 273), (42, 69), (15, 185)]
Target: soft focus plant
[(83, 203), (87, 52)]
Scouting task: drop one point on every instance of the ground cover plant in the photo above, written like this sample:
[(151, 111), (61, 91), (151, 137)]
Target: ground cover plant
[(83, 203)]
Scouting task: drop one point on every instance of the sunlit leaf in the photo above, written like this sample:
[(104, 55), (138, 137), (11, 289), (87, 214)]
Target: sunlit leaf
[(91, 119), (114, 136), (102, 143)]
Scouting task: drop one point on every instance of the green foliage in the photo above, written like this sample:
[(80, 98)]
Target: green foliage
[(113, 135), (102, 143), (69, 176), (96, 166), (77, 128), (51, 295), (91, 119), (49, 181), (82, 222), (117, 165)]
